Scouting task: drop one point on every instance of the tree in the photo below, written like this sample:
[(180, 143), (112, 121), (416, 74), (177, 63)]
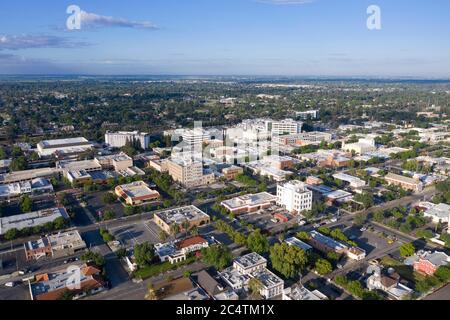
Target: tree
[(18, 164), (108, 215), (63, 198), (95, 257), (288, 260), (151, 293), (11, 234), (217, 255), (256, 242), (359, 219), (162, 235), (25, 204), (378, 215), (194, 231), (365, 198), (323, 266), (3, 154), (174, 229), (109, 198), (407, 249), (254, 286), (144, 254)]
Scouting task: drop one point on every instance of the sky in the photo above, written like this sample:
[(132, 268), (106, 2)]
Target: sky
[(226, 37)]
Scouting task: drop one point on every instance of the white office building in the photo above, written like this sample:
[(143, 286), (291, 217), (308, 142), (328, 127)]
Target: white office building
[(287, 126), (294, 196), (119, 139), (69, 146)]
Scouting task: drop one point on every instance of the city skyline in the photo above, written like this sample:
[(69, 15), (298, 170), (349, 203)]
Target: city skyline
[(236, 37)]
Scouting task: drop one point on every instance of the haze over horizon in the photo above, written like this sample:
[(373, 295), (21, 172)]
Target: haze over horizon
[(317, 38)]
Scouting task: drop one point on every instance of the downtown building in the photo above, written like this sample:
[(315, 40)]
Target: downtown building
[(294, 196), (120, 138)]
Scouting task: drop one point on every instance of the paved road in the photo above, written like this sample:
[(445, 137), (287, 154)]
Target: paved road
[(441, 294)]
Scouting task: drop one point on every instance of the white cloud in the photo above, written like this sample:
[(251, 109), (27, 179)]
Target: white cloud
[(95, 20)]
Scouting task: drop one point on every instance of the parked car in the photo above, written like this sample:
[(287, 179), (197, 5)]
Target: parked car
[(333, 220), (10, 284)]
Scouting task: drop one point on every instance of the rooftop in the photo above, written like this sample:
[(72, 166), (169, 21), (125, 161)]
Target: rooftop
[(179, 215), (250, 260), (327, 241), (249, 200), (63, 142), (293, 241)]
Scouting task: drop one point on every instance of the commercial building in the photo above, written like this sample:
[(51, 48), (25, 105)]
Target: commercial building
[(294, 196), (135, 193), (250, 266), (360, 147), (32, 219), (438, 213), (177, 251), (309, 114), (326, 244), (51, 286), (119, 139), (55, 245), (28, 175), (297, 292), (286, 126), (34, 187), (230, 173), (354, 182), (249, 202), (63, 147), (118, 162), (293, 241), (189, 173), (304, 138), (190, 214), (404, 182)]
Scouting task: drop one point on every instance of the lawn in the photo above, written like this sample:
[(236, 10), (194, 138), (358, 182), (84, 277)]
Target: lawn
[(158, 268)]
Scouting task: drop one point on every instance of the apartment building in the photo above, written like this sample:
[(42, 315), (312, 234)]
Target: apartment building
[(120, 138), (294, 196), (404, 182)]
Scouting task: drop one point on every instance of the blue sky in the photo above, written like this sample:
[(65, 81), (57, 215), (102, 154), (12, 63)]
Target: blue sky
[(224, 37)]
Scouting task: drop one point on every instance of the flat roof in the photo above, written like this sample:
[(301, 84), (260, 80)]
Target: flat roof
[(178, 215), (249, 260), (249, 200), (63, 142), (137, 189), (268, 278), (27, 174), (293, 241), (31, 219), (327, 241)]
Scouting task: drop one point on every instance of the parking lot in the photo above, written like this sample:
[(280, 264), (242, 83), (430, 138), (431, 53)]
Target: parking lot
[(137, 233), (12, 261), (95, 203)]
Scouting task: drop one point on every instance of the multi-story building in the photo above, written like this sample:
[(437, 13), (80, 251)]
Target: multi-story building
[(190, 214), (253, 266), (304, 138), (309, 114), (427, 262), (117, 162), (282, 127), (230, 173), (294, 196), (189, 173), (119, 139), (63, 147), (34, 187), (404, 182)]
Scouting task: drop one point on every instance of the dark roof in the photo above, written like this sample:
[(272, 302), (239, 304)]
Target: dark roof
[(208, 283)]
